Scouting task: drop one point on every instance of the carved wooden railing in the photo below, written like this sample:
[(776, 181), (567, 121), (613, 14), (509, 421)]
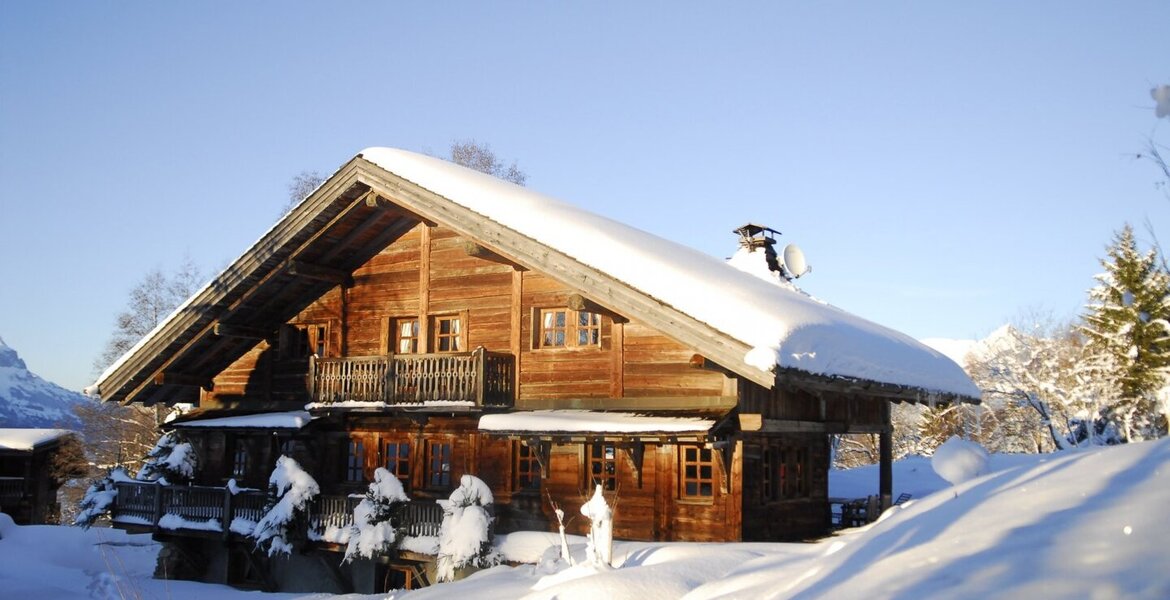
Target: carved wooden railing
[(480, 377), (145, 504)]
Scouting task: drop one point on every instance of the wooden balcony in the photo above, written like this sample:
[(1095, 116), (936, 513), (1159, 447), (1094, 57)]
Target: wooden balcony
[(207, 510), (480, 377)]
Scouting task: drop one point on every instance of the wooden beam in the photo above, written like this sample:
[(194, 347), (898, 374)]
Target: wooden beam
[(301, 268), (242, 332), (475, 250), (579, 302), (794, 426), (171, 378), (672, 403)]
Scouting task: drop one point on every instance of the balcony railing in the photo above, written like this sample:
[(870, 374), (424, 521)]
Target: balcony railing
[(215, 509), (480, 377)]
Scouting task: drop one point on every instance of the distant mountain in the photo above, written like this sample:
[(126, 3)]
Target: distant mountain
[(997, 341), (26, 400)]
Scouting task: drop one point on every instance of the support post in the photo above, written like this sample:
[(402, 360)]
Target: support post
[(886, 452)]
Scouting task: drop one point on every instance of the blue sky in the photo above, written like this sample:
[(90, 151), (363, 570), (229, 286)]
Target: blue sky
[(943, 167)]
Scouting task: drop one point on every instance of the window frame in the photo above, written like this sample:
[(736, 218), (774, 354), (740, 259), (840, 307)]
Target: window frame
[(402, 468), (597, 462), (355, 462), (441, 479), (396, 339), (572, 330), (436, 335), (703, 458), (526, 471)]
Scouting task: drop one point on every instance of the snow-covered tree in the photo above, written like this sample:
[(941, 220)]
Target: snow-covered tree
[(285, 523), (99, 497), (373, 531), (171, 461), (1128, 330), (465, 534)]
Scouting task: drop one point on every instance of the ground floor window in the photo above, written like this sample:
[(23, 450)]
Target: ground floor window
[(355, 462), (603, 466), (240, 462), (397, 460), (526, 467), (438, 474), (697, 472), (785, 472)]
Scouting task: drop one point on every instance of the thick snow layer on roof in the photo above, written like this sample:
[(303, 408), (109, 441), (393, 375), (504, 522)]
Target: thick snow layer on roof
[(785, 328), (27, 439), (592, 422), (279, 420)]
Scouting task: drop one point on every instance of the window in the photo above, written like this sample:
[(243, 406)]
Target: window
[(307, 339), (603, 466), (406, 336), (561, 327), (447, 334), (698, 472), (240, 462), (438, 464), (355, 463), (397, 457), (785, 473), (526, 467)]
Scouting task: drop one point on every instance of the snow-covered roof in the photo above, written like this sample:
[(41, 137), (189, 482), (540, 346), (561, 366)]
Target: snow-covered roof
[(275, 420), (784, 327), (27, 439), (590, 421)]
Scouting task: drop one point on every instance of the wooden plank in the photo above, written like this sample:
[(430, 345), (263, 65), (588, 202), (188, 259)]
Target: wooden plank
[(242, 332), (516, 325), (617, 374), (424, 289), (301, 268)]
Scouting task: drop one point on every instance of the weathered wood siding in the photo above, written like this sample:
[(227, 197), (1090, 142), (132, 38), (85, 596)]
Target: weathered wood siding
[(770, 515)]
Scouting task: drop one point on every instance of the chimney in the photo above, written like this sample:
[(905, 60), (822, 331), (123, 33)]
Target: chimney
[(752, 236)]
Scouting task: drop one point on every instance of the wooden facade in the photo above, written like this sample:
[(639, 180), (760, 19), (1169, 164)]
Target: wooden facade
[(30, 475), (400, 318)]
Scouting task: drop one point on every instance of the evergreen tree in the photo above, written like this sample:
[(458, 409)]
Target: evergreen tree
[(1129, 334)]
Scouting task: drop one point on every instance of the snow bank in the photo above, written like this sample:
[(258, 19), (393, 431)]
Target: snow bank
[(958, 460), (280, 420)]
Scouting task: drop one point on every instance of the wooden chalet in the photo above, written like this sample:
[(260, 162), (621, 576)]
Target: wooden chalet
[(28, 475), (414, 315)]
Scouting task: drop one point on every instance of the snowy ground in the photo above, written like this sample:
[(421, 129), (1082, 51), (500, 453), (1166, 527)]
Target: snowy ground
[(1088, 524)]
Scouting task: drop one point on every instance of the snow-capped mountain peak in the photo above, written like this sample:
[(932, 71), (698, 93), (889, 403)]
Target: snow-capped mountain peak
[(27, 400)]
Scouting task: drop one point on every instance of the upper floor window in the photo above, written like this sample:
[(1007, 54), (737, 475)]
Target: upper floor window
[(406, 336), (447, 333), (561, 327), (697, 477), (603, 466), (305, 339)]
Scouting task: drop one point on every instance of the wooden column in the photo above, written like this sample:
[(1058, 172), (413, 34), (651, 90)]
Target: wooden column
[(886, 453), (516, 318), (617, 373), (424, 289)]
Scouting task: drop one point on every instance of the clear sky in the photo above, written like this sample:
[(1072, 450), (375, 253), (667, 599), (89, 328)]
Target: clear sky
[(943, 165)]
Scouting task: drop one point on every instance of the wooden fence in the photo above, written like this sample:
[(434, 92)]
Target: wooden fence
[(480, 377)]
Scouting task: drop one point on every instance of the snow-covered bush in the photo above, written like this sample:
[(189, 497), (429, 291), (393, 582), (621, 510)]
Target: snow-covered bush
[(99, 497), (171, 461), (372, 532), (465, 535), (600, 548), (959, 460), (286, 521)]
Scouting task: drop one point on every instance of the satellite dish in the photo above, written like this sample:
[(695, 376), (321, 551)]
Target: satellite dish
[(794, 261)]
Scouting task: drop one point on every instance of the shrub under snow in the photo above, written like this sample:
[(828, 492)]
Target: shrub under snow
[(465, 535), (959, 460), (286, 522), (600, 548), (170, 461), (372, 532)]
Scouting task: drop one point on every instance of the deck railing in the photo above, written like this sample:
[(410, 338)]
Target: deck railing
[(11, 490), (480, 377), (146, 504)]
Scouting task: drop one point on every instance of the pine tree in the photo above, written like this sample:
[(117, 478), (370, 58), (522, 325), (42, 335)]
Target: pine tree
[(1129, 333)]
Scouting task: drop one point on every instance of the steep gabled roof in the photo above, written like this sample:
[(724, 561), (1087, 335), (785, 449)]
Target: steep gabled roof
[(751, 327)]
